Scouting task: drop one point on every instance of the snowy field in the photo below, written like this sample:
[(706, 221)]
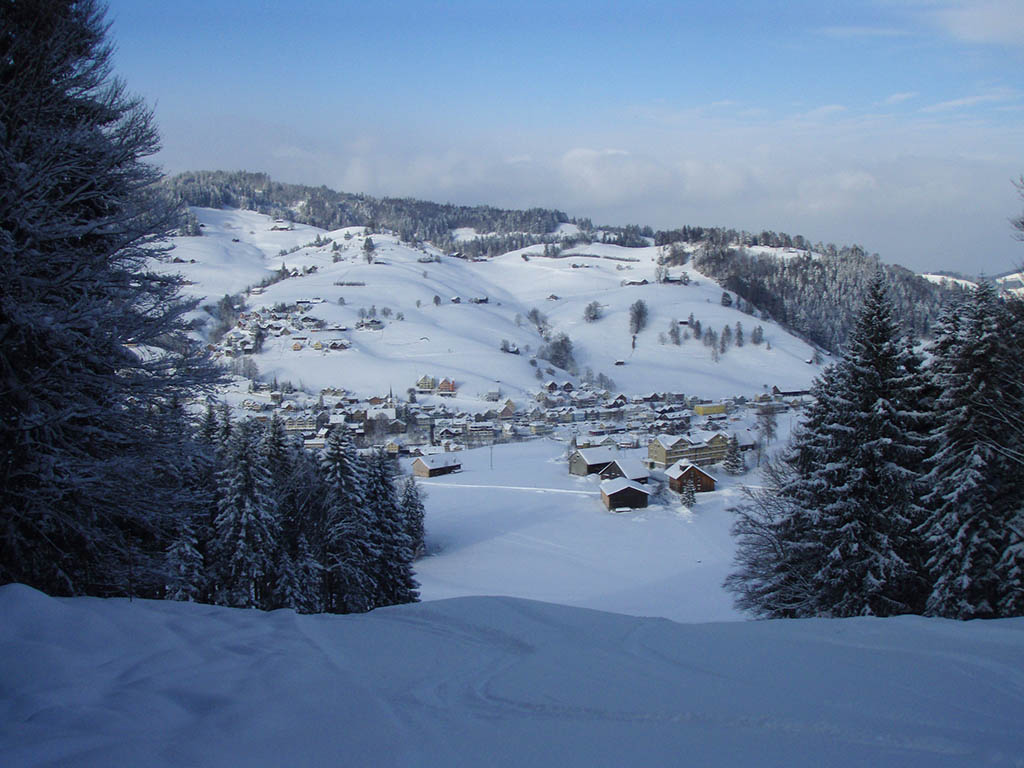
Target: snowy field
[(526, 528), (497, 682)]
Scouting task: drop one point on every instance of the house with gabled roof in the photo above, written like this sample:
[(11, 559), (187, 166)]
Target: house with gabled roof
[(436, 464), (590, 461), (683, 472), (629, 468), (621, 493)]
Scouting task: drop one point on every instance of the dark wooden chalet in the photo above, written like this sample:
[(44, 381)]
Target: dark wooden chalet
[(621, 493), (683, 472)]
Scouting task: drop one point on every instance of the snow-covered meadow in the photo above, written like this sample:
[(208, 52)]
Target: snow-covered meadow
[(496, 681), (515, 522)]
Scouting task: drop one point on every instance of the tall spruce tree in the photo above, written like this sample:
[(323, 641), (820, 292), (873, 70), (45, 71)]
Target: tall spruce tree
[(247, 533), (734, 463), (393, 571), (414, 513), (348, 546), (974, 530), (80, 221), (834, 533)]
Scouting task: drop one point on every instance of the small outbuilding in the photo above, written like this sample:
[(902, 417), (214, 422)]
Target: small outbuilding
[(621, 493), (437, 464), (631, 469), (684, 472)]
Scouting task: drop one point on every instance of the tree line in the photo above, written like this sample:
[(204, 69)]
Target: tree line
[(903, 489), (273, 525)]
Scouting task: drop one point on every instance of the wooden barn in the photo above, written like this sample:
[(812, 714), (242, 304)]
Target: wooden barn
[(684, 472), (621, 493), (590, 461), (436, 464)]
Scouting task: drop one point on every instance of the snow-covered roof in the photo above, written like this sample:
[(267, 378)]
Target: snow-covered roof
[(669, 441), (681, 467), (633, 469), (598, 455), (439, 461), (609, 487)]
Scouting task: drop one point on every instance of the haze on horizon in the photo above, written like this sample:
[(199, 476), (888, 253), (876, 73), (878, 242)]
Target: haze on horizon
[(895, 124)]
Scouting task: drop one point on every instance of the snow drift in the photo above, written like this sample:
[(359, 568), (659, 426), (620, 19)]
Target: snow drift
[(496, 681)]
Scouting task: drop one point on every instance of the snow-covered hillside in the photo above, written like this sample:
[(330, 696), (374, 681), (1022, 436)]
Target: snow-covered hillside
[(498, 682), (946, 280), (1012, 283), (452, 336)]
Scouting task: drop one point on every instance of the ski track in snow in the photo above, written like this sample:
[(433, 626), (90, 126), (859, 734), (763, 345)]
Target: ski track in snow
[(532, 489)]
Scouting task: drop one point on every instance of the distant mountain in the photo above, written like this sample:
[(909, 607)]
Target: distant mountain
[(812, 289)]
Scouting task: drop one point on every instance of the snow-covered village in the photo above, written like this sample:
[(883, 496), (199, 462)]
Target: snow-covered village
[(373, 457)]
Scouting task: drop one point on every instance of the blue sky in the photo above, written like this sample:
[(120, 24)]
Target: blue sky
[(896, 124)]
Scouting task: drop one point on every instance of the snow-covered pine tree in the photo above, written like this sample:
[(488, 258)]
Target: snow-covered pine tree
[(871, 478), (347, 545), (688, 495), (186, 569), (394, 574), (833, 532), (80, 217), (734, 463), (414, 513), (247, 533), (973, 530)]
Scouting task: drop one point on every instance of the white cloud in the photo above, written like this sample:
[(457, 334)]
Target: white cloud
[(983, 21), (987, 97), (899, 98)]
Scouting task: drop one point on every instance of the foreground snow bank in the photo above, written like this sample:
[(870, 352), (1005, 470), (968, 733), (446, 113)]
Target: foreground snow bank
[(496, 681)]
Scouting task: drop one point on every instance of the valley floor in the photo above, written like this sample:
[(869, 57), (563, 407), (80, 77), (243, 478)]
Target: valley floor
[(514, 522)]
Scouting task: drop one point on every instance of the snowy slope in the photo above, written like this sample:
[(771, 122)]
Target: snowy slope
[(946, 280), (497, 682), (462, 340)]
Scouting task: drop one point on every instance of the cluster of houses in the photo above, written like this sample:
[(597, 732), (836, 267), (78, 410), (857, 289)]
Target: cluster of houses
[(673, 426), (293, 323), (624, 481)]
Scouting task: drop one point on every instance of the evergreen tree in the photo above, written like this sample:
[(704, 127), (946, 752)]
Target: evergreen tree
[(414, 513), (393, 570), (246, 543), (734, 463), (348, 546), (977, 493), (186, 571), (83, 495), (687, 494), (834, 531)]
